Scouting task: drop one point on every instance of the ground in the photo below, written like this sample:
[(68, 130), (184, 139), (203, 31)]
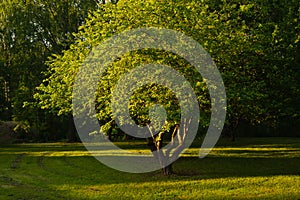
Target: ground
[(250, 168)]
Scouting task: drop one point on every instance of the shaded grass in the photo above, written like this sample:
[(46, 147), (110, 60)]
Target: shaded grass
[(251, 168)]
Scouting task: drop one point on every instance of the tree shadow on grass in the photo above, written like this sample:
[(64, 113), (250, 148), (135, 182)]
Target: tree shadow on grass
[(87, 173), (222, 167), (224, 162), (186, 168)]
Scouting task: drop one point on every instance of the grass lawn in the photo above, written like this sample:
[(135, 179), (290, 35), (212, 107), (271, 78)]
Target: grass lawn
[(250, 168)]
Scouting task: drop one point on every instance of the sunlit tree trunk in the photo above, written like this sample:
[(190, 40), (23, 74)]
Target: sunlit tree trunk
[(178, 138)]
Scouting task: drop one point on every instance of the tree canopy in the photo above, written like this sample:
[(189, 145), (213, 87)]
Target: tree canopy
[(254, 49), (255, 45)]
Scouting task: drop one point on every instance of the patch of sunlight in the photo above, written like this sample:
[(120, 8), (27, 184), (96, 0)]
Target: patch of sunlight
[(55, 144), (84, 153), (215, 188), (256, 148), (7, 186), (99, 153), (257, 152), (49, 153), (251, 152)]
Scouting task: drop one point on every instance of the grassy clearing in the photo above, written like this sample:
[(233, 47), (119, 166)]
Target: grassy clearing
[(251, 168)]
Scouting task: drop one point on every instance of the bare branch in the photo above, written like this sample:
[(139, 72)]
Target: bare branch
[(152, 135)]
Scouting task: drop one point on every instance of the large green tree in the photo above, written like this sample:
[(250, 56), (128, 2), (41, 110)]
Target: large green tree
[(250, 45)]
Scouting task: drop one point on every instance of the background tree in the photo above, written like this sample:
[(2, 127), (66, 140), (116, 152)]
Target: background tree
[(30, 32), (262, 81)]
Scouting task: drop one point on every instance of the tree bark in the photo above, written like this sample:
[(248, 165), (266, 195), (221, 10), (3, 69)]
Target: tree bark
[(155, 146), (72, 135), (168, 170), (235, 125)]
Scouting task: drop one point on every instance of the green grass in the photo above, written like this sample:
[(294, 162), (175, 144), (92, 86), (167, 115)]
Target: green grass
[(251, 168)]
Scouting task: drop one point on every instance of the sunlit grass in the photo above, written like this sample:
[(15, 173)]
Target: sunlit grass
[(251, 168), (221, 188)]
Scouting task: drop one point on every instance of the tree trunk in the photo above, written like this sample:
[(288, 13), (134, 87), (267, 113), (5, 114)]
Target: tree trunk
[(72, 135), (233, 136), (235, 125), (155, 146), (168, 170), (151, 144)]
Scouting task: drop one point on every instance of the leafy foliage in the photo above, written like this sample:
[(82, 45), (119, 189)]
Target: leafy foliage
[(30, 32), (255, 50)]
